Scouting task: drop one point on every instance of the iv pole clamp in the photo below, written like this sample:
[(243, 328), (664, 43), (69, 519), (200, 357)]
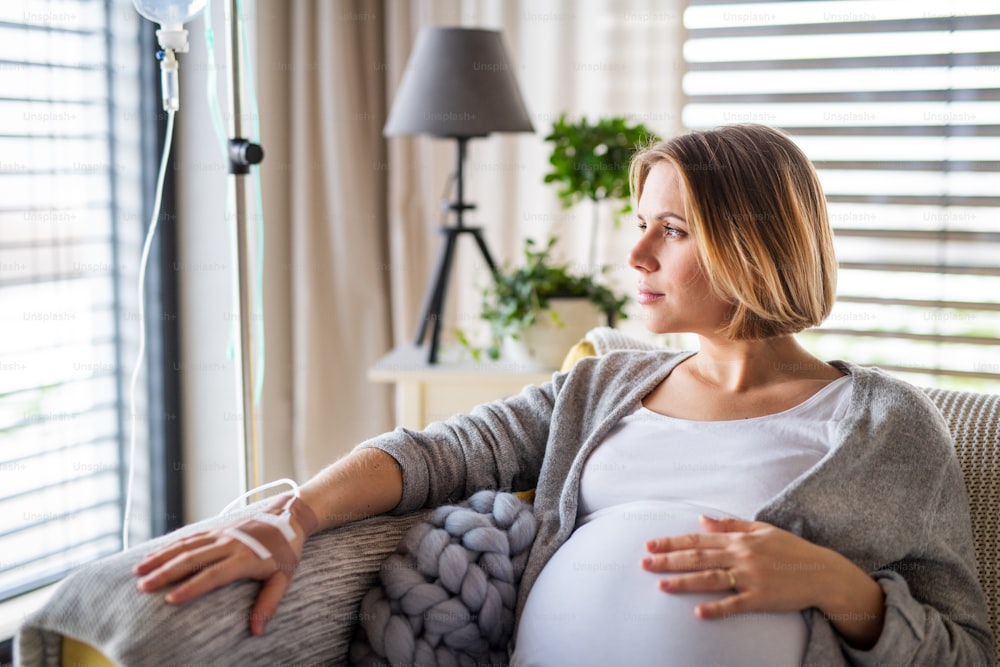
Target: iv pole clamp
[(242, 154)]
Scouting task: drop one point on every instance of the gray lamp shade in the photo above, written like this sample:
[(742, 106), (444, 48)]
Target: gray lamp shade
[(458, 83)]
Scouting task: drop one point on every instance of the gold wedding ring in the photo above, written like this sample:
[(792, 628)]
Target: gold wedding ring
[(732, 579)]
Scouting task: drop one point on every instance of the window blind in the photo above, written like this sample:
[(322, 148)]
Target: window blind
[(898, 105), (71, 224)]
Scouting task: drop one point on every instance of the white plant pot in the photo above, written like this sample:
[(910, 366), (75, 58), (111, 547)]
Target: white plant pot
[(544, 343)]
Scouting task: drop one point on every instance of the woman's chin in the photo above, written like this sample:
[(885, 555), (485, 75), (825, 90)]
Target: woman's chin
[(660, 325)]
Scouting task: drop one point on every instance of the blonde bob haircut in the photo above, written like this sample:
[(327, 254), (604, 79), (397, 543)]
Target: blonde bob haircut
[(756, 210)]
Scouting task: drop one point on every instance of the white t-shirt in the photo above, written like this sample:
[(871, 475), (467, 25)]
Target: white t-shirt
[(652, 476)]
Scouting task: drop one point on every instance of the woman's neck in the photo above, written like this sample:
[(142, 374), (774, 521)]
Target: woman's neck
[(740, 366)]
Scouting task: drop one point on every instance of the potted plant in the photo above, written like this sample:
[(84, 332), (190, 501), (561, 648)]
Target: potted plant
[(590, 161), (538, 311)]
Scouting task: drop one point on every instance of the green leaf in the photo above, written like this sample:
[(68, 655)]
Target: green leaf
[(590, 161)]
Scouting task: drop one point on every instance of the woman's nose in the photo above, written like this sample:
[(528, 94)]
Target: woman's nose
[(640, 256)]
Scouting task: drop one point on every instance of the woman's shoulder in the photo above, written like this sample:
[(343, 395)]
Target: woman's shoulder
[(627, 362), (886, 400), (616, 376), (879, 388)]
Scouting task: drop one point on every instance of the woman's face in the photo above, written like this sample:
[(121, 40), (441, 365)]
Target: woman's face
[(673, 291)]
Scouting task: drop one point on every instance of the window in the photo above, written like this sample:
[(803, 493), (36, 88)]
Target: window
[(898, 105), (75, 154)]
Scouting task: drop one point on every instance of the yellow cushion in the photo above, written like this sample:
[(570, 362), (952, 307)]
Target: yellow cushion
[(526, 496), (582, 349), (79, 654)]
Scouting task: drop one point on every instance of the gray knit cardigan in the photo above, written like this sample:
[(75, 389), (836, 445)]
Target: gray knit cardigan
[(889, 495)]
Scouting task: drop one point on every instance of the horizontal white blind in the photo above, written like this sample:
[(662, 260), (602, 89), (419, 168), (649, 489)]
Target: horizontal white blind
[(70, 237), (898, 105)]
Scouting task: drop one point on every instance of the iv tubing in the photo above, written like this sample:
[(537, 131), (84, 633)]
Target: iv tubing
[(143, 263)]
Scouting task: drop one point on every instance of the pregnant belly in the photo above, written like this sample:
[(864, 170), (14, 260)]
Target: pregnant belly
[(593, 604)]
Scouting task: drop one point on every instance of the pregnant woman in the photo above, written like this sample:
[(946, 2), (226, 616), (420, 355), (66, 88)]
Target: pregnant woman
[(741, 504)]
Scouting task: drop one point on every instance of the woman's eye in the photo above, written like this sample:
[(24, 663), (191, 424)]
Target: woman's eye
[(668, 231)]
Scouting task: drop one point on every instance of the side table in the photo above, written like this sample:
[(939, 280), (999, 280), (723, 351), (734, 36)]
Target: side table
[(426, 393)]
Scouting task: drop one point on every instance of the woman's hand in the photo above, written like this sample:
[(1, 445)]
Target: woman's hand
[(769, 570), (212, 559)]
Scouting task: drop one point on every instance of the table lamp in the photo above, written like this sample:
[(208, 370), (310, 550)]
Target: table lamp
[(458, 84)]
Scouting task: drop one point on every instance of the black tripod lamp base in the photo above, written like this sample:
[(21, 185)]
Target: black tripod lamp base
[(433, 309)]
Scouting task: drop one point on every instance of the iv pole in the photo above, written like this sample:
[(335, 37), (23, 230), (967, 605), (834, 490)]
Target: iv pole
[(242, 154)]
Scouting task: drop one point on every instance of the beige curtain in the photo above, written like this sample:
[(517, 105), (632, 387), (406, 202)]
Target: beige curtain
[(351, 216), (341, 319), (325, 197)]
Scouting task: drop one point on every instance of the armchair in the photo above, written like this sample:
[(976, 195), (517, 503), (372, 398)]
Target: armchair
[(98, 606)]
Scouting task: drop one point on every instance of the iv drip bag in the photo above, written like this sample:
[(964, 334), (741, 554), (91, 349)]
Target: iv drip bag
[(171, 14)]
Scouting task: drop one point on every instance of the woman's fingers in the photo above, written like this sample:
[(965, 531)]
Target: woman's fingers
[(689, 551), (708, 580), (769, 569), (687, 541), (155, 559), (699, 551), (730, 525), (740, 603), (210, 573), (185, 564), (688, 560), (267, 602), (711, 580)]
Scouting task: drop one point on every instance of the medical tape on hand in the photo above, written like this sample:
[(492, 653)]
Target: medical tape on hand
[(282, 522), (271, 535), (266, 541), (262, 552)]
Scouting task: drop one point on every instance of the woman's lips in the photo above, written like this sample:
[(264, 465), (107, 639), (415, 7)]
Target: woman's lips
[(647, 296)]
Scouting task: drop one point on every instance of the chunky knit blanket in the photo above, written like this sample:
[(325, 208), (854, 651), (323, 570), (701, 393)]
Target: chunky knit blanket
[(447, 596)]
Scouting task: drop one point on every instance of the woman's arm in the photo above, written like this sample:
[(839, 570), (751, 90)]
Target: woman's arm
[(498, 445), (364, 483)]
